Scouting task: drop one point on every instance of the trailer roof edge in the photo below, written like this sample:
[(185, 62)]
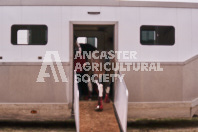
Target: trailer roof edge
[(113, 3)]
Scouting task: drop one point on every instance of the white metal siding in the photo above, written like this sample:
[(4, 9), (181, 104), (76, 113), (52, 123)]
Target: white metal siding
[(129, 19)]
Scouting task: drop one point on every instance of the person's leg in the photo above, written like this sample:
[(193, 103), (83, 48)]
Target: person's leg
[(90, 89), (100, 89), (80, 87), (107, 100), (85, 88)]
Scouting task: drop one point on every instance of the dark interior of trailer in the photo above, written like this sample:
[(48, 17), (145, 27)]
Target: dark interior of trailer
[(101, 37)]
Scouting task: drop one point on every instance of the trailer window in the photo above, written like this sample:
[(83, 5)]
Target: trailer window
[(29, 34), (157, 35), (90, 40)]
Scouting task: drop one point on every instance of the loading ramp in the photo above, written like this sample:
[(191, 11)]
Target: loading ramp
[(113, 118)]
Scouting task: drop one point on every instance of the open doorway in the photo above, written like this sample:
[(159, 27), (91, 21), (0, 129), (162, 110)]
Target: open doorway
[(100, 37)]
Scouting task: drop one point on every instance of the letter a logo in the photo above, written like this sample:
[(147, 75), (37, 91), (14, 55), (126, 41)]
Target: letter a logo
[(48, 61)]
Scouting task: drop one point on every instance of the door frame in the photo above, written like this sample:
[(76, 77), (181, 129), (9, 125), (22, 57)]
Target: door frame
[(71, 36)]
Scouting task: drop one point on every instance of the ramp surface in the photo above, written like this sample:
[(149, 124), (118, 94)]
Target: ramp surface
[(92, 121)]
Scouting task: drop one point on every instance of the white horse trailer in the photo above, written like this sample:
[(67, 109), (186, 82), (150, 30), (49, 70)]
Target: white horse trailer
[(159, 31)]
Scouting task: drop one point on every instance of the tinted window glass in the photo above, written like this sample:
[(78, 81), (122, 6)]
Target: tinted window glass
[(157, 35), (29, 34)]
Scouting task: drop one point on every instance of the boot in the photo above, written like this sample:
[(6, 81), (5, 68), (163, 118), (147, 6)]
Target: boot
[(99, 107), (89, 94), (107, 100), (88, 97)]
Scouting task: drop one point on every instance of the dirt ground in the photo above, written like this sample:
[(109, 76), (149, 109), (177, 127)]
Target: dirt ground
[(37, 126), (163, 125), (164, 130), (141, 125), (92, 121)]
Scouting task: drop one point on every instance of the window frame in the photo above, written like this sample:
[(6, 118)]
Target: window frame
[(27, 27), (156, 30)]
